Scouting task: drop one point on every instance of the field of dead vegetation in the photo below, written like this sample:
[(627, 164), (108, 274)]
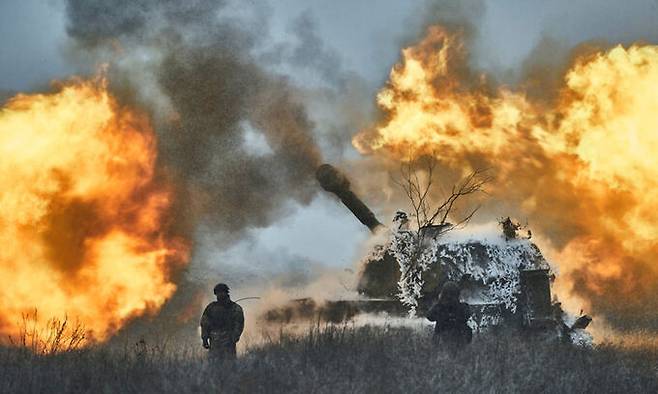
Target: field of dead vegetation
[(337, 360)]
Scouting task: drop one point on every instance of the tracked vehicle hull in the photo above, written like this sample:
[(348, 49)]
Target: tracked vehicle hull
[(505, 280)]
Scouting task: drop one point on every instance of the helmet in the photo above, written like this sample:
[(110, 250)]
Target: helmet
[(221, 288)]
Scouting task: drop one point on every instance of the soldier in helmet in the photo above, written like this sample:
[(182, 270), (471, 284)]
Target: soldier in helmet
[(450, 315), (222, 323)]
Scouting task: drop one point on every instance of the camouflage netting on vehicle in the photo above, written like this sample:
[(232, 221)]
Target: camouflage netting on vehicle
[(487, 265), (494, 265), (490, 268)]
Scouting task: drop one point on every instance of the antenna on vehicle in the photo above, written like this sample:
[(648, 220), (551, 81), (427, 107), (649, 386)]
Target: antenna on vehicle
[(247, 298)]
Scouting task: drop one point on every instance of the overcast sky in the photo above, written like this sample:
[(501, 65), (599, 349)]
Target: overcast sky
[(365, 33), (366, 36)]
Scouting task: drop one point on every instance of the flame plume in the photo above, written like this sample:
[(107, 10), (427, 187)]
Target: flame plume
[(583, 167), (83, 217)]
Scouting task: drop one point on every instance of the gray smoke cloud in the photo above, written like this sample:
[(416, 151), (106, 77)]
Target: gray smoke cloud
[(192, 64), (235, 136), (239, 138), (6, 95), (310, 52)]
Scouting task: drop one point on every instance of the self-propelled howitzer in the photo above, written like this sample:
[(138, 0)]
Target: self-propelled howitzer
[(507, 281)]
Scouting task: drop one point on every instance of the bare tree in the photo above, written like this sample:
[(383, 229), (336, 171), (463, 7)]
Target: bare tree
[(425, 210), (417, 181)]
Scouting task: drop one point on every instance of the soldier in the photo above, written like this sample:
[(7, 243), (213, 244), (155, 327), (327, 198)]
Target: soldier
[(222, 323), (450, 316)]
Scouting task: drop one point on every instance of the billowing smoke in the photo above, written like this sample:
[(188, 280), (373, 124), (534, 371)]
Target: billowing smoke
[(192, 65), (240, 144), (234, 135)]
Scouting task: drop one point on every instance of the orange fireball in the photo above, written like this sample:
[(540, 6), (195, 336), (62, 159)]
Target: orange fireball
[(83, 216), (582, 168)]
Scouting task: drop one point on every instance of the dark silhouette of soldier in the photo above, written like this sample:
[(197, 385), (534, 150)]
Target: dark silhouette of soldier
[(222, 323), (450, 315)]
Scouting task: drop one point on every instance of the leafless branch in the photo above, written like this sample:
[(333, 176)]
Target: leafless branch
[(418, 193)]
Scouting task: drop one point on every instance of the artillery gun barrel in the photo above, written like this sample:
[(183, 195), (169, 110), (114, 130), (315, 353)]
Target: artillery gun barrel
[(335, 182)]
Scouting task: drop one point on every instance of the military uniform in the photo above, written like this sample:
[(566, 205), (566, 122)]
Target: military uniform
[(222, 324), (451, 317), (451, 327)]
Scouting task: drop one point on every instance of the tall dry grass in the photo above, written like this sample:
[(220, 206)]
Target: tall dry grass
[(58, 335), (337, 359)]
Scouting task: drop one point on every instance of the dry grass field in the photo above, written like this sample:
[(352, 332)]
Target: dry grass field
[(336, 360)]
